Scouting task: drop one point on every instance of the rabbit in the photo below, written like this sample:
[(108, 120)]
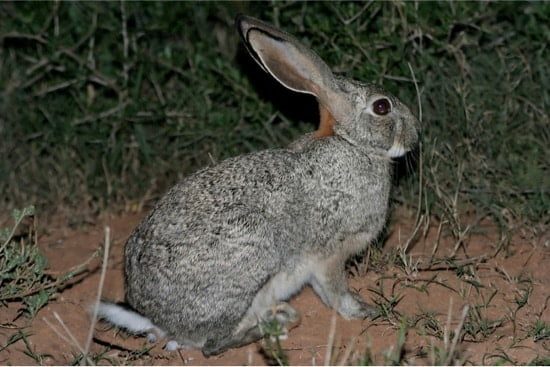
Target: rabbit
[(224, 249)]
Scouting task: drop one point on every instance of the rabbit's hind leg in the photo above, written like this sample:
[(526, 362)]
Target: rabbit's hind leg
[(255, 326), (330, 283)]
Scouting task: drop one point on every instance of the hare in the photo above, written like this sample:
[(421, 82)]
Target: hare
[(223, 249)]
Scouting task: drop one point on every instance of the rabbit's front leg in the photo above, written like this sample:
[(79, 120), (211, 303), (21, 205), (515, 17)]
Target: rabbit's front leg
[(330, 282)]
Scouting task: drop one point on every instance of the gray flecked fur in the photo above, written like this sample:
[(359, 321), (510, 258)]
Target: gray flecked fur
[(230, 242)]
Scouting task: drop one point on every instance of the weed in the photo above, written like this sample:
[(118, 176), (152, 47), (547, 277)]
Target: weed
[(29, 350), (35, 302), (23, 275), (478, 325), (394, 356), (22, 268), (448, 353), (385, 305), (273, 331), (540, 331), (428, 324), (105, 355), (500, 358), (367, 359), (407, 263), (13, 339), (522, 297)]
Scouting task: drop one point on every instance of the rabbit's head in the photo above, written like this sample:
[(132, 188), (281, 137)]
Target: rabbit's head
[(364, 114)]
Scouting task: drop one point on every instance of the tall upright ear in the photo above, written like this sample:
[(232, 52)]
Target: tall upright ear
[(294, 65)]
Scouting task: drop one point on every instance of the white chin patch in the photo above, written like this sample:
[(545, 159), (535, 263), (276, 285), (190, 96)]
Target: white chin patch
[(397, 150)]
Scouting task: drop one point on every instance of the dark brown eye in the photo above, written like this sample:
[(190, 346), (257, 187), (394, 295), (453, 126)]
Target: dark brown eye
[(381, 106)]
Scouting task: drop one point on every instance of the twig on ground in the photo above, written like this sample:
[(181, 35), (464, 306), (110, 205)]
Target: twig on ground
[(99, 291), (330, 343)]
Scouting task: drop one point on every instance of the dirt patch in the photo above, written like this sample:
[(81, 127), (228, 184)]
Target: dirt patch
[(492, 290)]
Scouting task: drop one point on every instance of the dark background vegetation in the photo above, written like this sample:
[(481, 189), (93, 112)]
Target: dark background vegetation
[(106, 104)]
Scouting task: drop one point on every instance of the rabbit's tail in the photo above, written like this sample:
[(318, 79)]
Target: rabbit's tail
[(129, 320)]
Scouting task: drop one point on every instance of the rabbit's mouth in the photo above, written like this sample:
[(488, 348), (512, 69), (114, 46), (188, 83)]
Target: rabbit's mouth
[(397, 150), (405, 138)]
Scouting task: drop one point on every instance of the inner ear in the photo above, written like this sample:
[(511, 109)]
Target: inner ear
[(295, 69)]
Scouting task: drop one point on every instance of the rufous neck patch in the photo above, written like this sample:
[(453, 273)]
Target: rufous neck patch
[(326, 123)]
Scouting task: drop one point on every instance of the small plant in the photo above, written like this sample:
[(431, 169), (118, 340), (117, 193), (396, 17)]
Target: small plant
[(449, 352), (428, 324), (478, 326), (385, 305), (23, 275), (395, 355), (105, 356), (22, 267), (522, 297), (440, 355), (38, 357), (273, 331), (367, 359), (499, 358), (540, 331), (406, 262), (12, 339)]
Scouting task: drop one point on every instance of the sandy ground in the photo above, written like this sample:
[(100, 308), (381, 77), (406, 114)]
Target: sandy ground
[(431, 299)]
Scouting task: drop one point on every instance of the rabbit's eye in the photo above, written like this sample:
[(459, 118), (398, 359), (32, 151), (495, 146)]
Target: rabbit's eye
[(381, 106)]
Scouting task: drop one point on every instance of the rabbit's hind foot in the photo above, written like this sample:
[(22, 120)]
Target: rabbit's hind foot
[(278, 320), (171, 346), (352, 306), (274, 321)]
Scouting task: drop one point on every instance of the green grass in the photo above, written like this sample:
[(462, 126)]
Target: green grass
[(107, 104), (22, 266), (31, 352), (540, 331), (19, 335), (24, 276)]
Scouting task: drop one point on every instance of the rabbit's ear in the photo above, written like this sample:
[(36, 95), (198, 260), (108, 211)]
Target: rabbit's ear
[(291, 63)]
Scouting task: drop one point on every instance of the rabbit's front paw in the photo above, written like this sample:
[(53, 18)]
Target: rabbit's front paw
[(352, 306)]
